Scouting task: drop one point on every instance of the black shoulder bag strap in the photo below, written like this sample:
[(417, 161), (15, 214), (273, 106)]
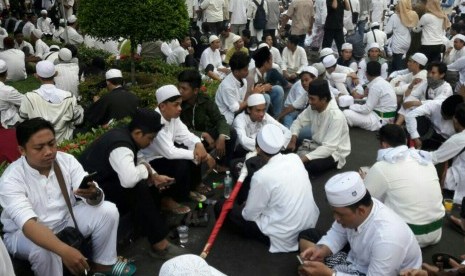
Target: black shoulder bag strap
[(64, 191), (374, 36)]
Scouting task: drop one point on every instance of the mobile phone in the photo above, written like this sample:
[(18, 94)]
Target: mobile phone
[(300, 259), (85, 181)]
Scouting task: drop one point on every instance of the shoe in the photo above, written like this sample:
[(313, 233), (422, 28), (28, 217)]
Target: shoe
[(197, 197), (178, 210), (123, 267), (444, 259), (169, 252)]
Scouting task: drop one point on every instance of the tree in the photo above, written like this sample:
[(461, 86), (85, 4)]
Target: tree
[(139, 20)]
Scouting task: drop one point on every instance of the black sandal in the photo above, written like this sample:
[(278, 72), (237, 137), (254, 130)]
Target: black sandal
[(444, 259)]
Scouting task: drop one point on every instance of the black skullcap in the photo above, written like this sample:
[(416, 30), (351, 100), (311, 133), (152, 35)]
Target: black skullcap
[(148, 120)]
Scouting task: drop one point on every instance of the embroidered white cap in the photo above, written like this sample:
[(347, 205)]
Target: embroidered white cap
[(37, 33), (310, 69), (43, 12), (189, 265), (419, 58), (329, 61), (326, 51), (373, 45), (347, 46), (460, 36), (270, 139), (65, 54), (255, 99), (54, 48), (236, 38), (165, 92), (3, 66), (113, 73), (262, 45), (345, 101), (212, 38), (45, 69), (374, 24), (72, 19), (320, 67), (345, 189)]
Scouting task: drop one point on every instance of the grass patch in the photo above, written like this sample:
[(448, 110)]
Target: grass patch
[(27, 85)]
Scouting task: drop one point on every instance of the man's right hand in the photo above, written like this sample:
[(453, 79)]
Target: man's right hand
[(74, 261), (418, 143), (292, 144), (316, 253)]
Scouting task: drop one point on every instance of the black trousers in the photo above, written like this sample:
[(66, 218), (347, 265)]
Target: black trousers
[(318, 166), (430, 139), (333, 34), (238, 224), (432, 52), (145, 208)]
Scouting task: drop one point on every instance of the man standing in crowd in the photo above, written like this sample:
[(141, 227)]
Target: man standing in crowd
[(301, 14), (335, 23), (10, 100)]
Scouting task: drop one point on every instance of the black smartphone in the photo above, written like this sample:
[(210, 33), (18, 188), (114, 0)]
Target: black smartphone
[(85, 181)]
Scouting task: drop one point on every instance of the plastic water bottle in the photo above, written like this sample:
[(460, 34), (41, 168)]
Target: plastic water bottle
[(227, 184)]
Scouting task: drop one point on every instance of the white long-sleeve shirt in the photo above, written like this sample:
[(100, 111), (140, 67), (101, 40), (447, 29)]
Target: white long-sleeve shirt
[(455, 176), (238, 10), (431, 110), (458, 65), (15, 60), (10, 100), (247, 130), (41, 48), (440, 93), (163, 146), (210, 57), (404, 80), (281, 201), (276, 56), (401, 38), (68, 77), (330, 132), (432, 29), (129, 174), (45, 25), (382, 245), (362, 68), (229, 95), (369, 37), (294, 62), (296, 91), (213, 10), (381, 97)]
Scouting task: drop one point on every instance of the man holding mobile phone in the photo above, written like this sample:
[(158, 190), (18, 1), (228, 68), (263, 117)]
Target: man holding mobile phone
[(129, 185)]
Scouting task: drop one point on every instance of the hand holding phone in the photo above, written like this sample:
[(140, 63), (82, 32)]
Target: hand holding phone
[(85, 181)]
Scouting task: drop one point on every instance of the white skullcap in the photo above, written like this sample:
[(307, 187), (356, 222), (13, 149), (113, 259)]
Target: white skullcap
[(270, 139), (338, 77), (37, 33), (212, 38), (344, 31), (255, 99), (326, 51), (262, 45), (72, 19), (235, 38), (65, 54), (62, 21), (373, 45), (310, 69), (45, 69), (374, 24), (345, 101), (460, 36), (113, 73), (188, 265), (320, 67), (43, 12), (329, 61), (54, 47), (165, 92), (345, 189), (347, 46), (3, 66), (420, 58)]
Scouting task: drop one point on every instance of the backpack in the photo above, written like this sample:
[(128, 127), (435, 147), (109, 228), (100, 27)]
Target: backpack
[(259, 22)]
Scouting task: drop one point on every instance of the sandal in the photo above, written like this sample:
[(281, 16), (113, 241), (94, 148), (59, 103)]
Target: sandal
[(444, 259), (123, 267), (197, 197), (456, 224), (204, 190), (178, 210)]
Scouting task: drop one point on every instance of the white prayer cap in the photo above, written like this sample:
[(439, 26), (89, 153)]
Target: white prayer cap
[(165, 92), (460, 36), (3, 66), (320, 67), (54, 47), (262, 45), (345, 100), (112, 74), (345, 189), (72, 19), (338, 77), (212, 38), (347, 46), (43, 12), (235, 38), (310, 69), (255, 99), (270, 139), (329, 61), (65, 55), (45, 69), (62, 21), (420, 58), (374, 24), (373, 45), (344, 31), (188, 265), (37, 33), (326, 51)]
